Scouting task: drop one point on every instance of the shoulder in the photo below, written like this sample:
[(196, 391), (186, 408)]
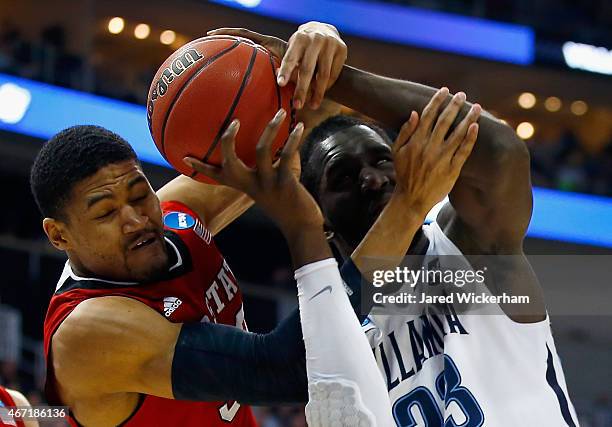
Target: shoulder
[(178, 196), (107, 317), (106, 338), (178, 207), (182, 220)]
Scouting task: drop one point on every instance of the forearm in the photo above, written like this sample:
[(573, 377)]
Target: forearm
[(390, 102), (388, 240), (307, 244), (217, 362), (327, 318)]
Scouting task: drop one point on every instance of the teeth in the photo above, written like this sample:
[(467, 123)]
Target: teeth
[(142, 243)]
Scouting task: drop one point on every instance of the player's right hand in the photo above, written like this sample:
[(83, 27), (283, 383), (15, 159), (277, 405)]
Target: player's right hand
[(313, 58), (273, 186), (427, 163)]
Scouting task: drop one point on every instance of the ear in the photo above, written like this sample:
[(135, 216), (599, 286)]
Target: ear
[(56, 233)]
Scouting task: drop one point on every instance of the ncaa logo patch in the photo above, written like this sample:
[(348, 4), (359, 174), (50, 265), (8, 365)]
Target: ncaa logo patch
[(179, 220)]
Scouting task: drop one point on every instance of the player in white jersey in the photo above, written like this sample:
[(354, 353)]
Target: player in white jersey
[(450, 368), (443, 368)]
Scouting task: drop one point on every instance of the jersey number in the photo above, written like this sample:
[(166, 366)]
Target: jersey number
[(449, 388)]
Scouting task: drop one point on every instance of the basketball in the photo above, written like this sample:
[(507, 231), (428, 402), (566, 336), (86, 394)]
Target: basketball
[(202, 87)]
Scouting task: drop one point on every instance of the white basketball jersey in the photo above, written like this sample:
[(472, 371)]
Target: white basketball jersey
[(451, 370)]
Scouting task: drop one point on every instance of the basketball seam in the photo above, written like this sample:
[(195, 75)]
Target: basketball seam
[(208, 62), (228, 117), (278, 95)]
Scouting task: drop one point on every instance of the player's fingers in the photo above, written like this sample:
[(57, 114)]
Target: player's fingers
[(291, 151), (406, 131), (228, 144), (210, 171), (447, 117), (291, 60), (337, 64), (324, 65), (308, 64), (430, 112), (465, 147), (262, 150), (460, 131)]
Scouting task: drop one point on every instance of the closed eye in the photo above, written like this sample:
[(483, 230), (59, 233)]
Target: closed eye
[(141, 198), (340, 180), (107, 214)]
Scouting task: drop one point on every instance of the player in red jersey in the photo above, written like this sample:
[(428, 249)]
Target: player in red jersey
[(12, 398), (133, 334)]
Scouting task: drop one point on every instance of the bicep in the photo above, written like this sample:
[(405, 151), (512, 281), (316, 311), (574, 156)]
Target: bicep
[(216, 205), (114, 345)]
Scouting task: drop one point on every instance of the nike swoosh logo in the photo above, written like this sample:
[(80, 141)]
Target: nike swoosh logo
[(327, 288)]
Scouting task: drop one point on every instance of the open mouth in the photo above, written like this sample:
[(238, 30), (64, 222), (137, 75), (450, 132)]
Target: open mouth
[(146, 240)]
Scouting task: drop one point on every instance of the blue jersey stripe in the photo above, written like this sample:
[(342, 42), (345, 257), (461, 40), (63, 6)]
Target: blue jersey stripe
[(551, 378)]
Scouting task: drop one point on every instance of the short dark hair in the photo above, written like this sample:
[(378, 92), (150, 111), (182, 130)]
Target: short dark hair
[(311, 172), (70, 156)]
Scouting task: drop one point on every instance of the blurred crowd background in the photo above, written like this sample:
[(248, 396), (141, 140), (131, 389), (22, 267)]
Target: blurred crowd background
[(113, 49)]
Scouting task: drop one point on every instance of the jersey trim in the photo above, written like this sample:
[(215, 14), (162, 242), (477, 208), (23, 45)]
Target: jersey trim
[(141, 399), (551, 378)]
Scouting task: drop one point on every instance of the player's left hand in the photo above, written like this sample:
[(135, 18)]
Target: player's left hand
[(313, 58), (273, 186)]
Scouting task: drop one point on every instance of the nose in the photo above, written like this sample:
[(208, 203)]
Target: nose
[(133, 221), (372, 180)]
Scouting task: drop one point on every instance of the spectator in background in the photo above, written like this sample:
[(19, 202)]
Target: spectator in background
[(10, 343), (58, 66), (15, 51)]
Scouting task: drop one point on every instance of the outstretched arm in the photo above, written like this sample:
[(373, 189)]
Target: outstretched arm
[(325, 311), (491, 202)]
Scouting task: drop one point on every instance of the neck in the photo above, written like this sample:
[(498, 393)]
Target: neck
[(77, 267)]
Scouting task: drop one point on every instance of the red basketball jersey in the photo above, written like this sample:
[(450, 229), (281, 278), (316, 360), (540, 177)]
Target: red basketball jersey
[(5, 418), (199, 287)]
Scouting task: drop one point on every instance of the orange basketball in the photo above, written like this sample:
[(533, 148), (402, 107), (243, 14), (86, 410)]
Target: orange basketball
[(202, 87)]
